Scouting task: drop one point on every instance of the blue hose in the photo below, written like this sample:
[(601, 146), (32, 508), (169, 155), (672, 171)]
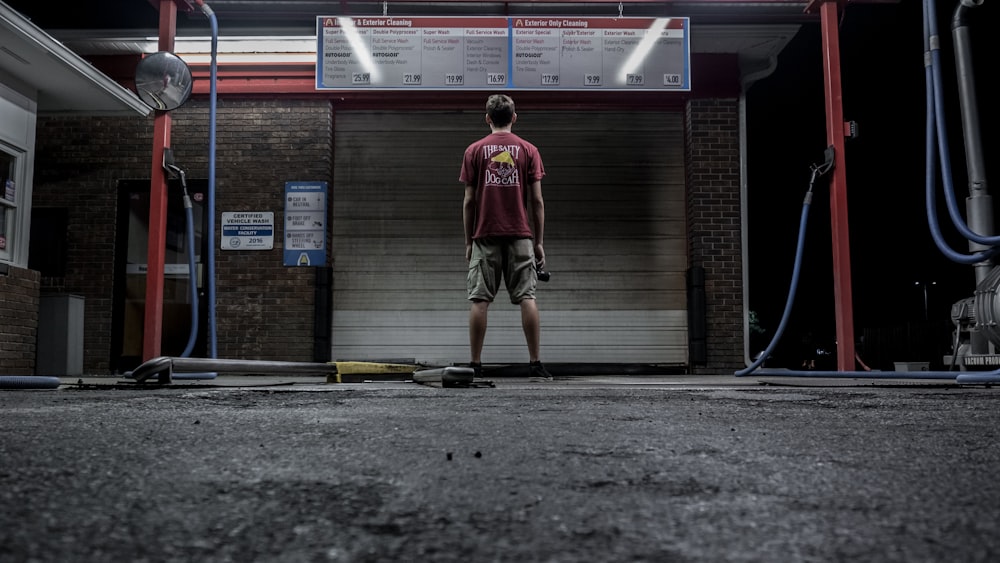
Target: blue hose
[(796, 271), (817, 171), (930, 201), (28, 382), (936, 106), (755, 369), (931, 159), (192, 279)]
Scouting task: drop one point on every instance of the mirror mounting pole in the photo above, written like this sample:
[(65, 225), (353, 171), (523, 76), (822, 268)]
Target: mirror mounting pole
[(156, 248)]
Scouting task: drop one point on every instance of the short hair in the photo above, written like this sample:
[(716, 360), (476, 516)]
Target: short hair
[(500, 108)]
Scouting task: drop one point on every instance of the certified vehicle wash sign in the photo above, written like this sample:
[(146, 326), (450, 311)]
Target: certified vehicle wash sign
[(247, 230)]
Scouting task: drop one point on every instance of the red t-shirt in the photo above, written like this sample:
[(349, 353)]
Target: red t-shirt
[(502, 166)]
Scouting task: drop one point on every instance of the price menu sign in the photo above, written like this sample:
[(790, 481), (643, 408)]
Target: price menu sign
[(490, 53)]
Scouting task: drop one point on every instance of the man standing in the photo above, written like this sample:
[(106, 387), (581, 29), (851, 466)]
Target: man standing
[(503, 174)]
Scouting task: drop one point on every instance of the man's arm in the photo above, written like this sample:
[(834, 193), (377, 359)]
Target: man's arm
[(469, 218), (538, 218)]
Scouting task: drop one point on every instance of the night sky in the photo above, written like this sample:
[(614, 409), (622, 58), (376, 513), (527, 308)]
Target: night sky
[(891, 247)]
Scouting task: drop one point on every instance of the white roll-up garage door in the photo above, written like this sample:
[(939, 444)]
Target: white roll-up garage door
[(615, 239)]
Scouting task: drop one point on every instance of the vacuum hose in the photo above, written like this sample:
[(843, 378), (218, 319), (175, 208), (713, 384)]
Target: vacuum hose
[(192, 271), (176, 172), (28, 382), (755, 368), (937, 137), (797, 267)]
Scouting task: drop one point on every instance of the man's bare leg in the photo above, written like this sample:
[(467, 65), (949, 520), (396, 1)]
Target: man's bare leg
[(477, 329), (530, 323)]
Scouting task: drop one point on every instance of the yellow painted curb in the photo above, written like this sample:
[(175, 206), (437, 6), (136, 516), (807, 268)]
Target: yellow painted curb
[(372, 368)]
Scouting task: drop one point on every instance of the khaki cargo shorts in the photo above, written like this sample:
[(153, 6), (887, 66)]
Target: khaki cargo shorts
[(511, 259)]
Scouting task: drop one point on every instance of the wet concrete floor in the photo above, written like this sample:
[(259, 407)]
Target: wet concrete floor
[(688, 468)]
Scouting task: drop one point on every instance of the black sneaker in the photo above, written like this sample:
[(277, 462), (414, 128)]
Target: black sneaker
[(477, 369), (537, 372)]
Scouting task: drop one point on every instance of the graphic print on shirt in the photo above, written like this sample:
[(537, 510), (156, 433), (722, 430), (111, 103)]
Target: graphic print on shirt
[(502, 167)]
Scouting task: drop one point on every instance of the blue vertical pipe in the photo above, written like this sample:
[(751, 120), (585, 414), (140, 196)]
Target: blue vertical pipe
[(212, 347)]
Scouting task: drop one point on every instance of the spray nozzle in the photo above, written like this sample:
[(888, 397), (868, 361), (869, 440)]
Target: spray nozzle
[(175, 172), (821, 169), (168, 163), (828, 159)]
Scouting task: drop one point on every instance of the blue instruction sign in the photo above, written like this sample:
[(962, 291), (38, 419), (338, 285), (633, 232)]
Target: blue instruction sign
[(305, 223)]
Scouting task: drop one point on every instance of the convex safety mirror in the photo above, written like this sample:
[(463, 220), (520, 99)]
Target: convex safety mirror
[(163, 81)]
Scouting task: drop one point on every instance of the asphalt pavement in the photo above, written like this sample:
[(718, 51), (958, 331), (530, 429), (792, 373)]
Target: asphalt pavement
[(675, 468)]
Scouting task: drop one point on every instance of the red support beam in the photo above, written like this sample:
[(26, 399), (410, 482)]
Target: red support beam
[(153, 321), (843, 301), (182, 5), (298, 79)]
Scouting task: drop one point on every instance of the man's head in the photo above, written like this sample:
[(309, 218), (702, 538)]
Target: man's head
[(500, 111)]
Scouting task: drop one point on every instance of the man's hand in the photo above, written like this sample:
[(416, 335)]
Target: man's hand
[(468, 252), (539, 256)]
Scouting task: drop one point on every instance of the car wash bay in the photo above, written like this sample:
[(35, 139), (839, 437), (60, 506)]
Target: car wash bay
[(615, 237), (619, 176), (642, 188)]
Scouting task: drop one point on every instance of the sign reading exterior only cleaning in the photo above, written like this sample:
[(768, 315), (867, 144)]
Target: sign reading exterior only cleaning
[(526, 53), (305, 223), (247, 230)]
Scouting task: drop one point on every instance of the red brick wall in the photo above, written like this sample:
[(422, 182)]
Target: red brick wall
[(714, 231), (77, 166), (18, 321), (264, 310)]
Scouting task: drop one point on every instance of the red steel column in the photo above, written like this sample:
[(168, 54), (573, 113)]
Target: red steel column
[(153, 321), (843, 303)]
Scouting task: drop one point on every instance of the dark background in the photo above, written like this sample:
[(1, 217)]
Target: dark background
[(892, 253)]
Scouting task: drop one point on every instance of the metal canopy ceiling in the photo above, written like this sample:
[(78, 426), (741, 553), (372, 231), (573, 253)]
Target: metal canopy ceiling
[(755, 31), (58, 79), (139, 14), (248, 12), (50, 61)]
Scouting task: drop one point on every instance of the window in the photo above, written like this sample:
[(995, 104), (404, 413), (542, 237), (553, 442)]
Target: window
[(8, 200), (47, 247)]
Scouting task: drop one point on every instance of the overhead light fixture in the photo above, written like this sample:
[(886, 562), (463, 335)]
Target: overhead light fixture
[(247, 49), (358, 47), (642, 49)]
